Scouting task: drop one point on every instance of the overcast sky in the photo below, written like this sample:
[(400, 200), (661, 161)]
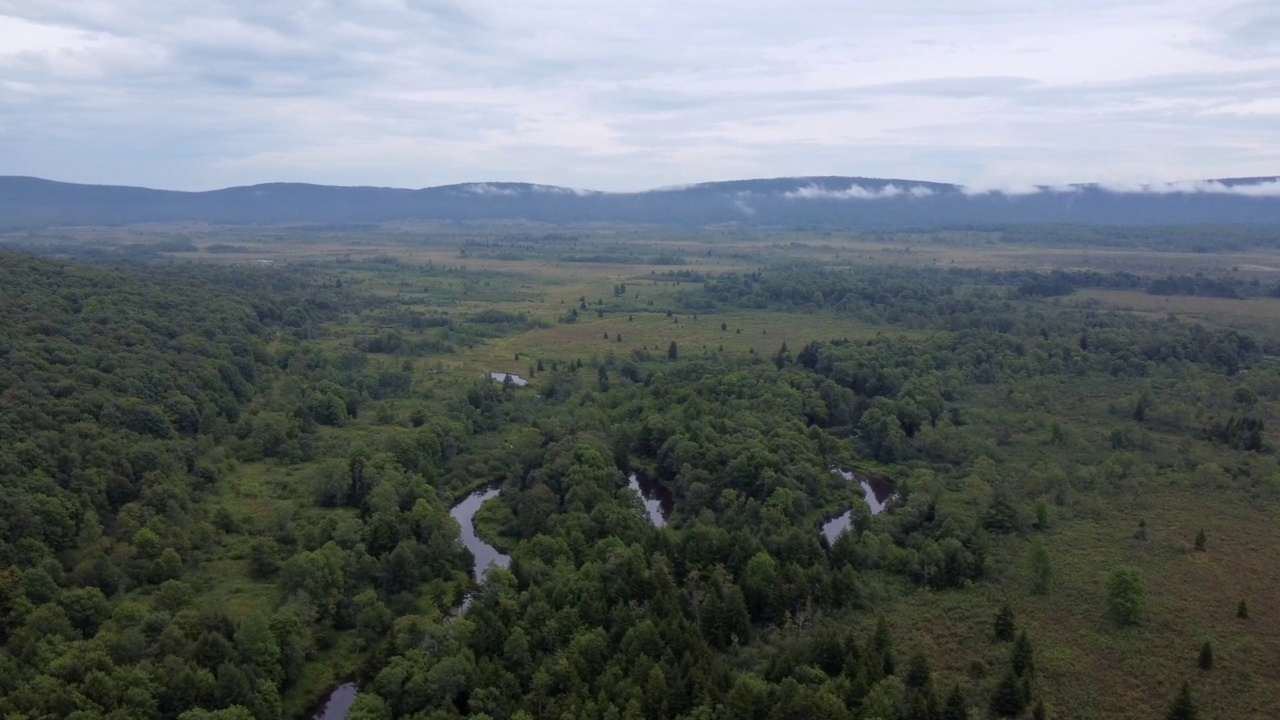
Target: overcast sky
[(197, 94)]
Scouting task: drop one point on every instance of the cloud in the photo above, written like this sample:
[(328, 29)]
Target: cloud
[(1009, 189), (1262, 189), (857, 192), (488, 189), (193, 94), (1268, 188)]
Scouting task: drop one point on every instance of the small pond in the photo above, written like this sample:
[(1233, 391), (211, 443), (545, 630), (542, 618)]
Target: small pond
[(877, 492), (658, 501), (515, 379)]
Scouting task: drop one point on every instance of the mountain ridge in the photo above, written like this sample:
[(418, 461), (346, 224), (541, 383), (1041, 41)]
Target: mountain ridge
[(803, 201)]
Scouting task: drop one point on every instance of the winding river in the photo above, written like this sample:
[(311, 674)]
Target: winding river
[(338, 704), (485, 554), (877, 491)]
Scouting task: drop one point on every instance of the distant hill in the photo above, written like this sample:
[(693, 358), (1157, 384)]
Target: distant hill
[(848, 202)]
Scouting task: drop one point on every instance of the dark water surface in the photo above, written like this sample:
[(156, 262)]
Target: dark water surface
[(515, 379), (485, 553), (658, 501), (338, 704), (877, 491)]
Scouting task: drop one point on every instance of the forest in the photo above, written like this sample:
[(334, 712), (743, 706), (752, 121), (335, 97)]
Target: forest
[(229, 487)]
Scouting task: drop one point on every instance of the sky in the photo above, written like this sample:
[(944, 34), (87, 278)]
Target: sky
[(637, 94)]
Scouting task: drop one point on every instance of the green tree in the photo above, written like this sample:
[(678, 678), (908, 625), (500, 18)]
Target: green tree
[(956, 708), (1043, 514), (1040, 565), (1242, 610), (1007, 700), (1206, 656), (257, 647), (748, 699), (673, 352), (1201, 540), (1183, 707), (1004, 624), (1023, 661), (1126, 595), (885, 700), (782, 357), (368, 706), (264, 557)]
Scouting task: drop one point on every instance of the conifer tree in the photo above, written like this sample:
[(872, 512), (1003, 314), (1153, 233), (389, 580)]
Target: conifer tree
[(956, 708), (1023, 664), (1004, 624), (1206, 656), (1183, 707), (1007, 701)]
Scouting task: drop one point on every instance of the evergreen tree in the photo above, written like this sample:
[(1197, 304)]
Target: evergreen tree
[(918, 671), (1007, 701), (1023, 663), (1004, 624), (780, 360), (1041, 566), (1183, 707), (673, 352), (1039, 712), (956, 708), (1206, 656), (1200, 540), (1242, 610)]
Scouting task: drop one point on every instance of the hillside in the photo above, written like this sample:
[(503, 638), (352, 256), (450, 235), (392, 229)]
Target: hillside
[(842, 202)]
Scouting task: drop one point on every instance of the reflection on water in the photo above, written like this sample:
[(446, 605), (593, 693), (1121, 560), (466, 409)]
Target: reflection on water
[(658, 501), (484, 553), (338, 704), (877, 492)]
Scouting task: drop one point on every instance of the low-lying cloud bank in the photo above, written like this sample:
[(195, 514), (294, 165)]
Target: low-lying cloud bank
[(1259, 189), (1264, 189), (857, 192)]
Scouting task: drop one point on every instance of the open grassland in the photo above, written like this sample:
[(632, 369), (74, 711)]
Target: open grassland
[(1087, 666), (1090, 668), (1261, 314)]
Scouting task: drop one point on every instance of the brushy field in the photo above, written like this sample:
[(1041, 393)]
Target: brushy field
[(1253, 313), (1090, 668)]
